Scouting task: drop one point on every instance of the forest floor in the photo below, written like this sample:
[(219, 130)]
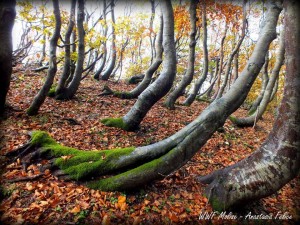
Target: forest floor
[(177, 199)]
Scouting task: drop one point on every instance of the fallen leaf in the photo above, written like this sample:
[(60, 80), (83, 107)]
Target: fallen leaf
[(105, 220), (76, 209)]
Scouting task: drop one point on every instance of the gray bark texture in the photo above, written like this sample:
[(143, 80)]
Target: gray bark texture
[(265, 81), (188, 76), (277, 161), (107, 73), (267, 94), (233, 53), (154, 66), (7, 18), (147, 163), (42, 94), (71, 89), (163, 83), (172, 153), (67, 64), (198, 84), (147, 78), (221, 62), (101, 67)]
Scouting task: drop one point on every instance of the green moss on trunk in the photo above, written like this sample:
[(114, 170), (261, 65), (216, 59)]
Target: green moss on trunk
[(128, 179), (115, 122), (52, 91), (79, 164)]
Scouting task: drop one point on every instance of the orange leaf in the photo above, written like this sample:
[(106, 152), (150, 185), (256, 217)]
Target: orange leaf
[(173, 217), (121, 199), (76, 209)]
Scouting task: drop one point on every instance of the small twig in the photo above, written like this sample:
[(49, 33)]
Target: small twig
[(22, 179)]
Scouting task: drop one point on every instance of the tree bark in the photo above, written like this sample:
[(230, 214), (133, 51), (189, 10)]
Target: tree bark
[(7, 17), (221, 61), (71, 89), (233, 53), (254, 117), (106, 74), (277, 161), (101, 67), (152, 42), (161, 86), (265, 82), (67, 64), (150, 71), (42, 94), (145, 164), (188, 77), (198, 84)]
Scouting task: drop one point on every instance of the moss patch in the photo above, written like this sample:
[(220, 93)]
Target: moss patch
[(126, 180), (88, 163), (41, 138), (51, 92), (123, 95), (233, 119), (115, 122), (79, 164)]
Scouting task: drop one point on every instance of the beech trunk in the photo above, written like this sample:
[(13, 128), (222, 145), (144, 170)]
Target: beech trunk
[(7, 18), (277, 161), (43, 92), (145, 164)]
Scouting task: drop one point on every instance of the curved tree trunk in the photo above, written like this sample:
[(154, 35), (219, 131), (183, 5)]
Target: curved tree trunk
[(152, 42), (254, 117), (150, 71), (7, 18), (210, 89), (161, 86), (42, 94), (277, 161), (236, 66), (73, 50), (101, 67), (275, 89), (106, 74), (265, 82), (42, 59), (145, 164), (73, 86), (198, 84), (188, 77), (233, 53), (154, 66), (66, 70), (221, 61)]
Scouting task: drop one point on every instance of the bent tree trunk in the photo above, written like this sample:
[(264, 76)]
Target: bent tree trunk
[(101, 67), (254, 117), (145, 164), (67, 64), (7, 18), (161, 86), (108, 71), (188, 77), (42, 94), (148, 74), (265, 81), (234, 52), (277, 161), (70, 91), (198, 84)]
